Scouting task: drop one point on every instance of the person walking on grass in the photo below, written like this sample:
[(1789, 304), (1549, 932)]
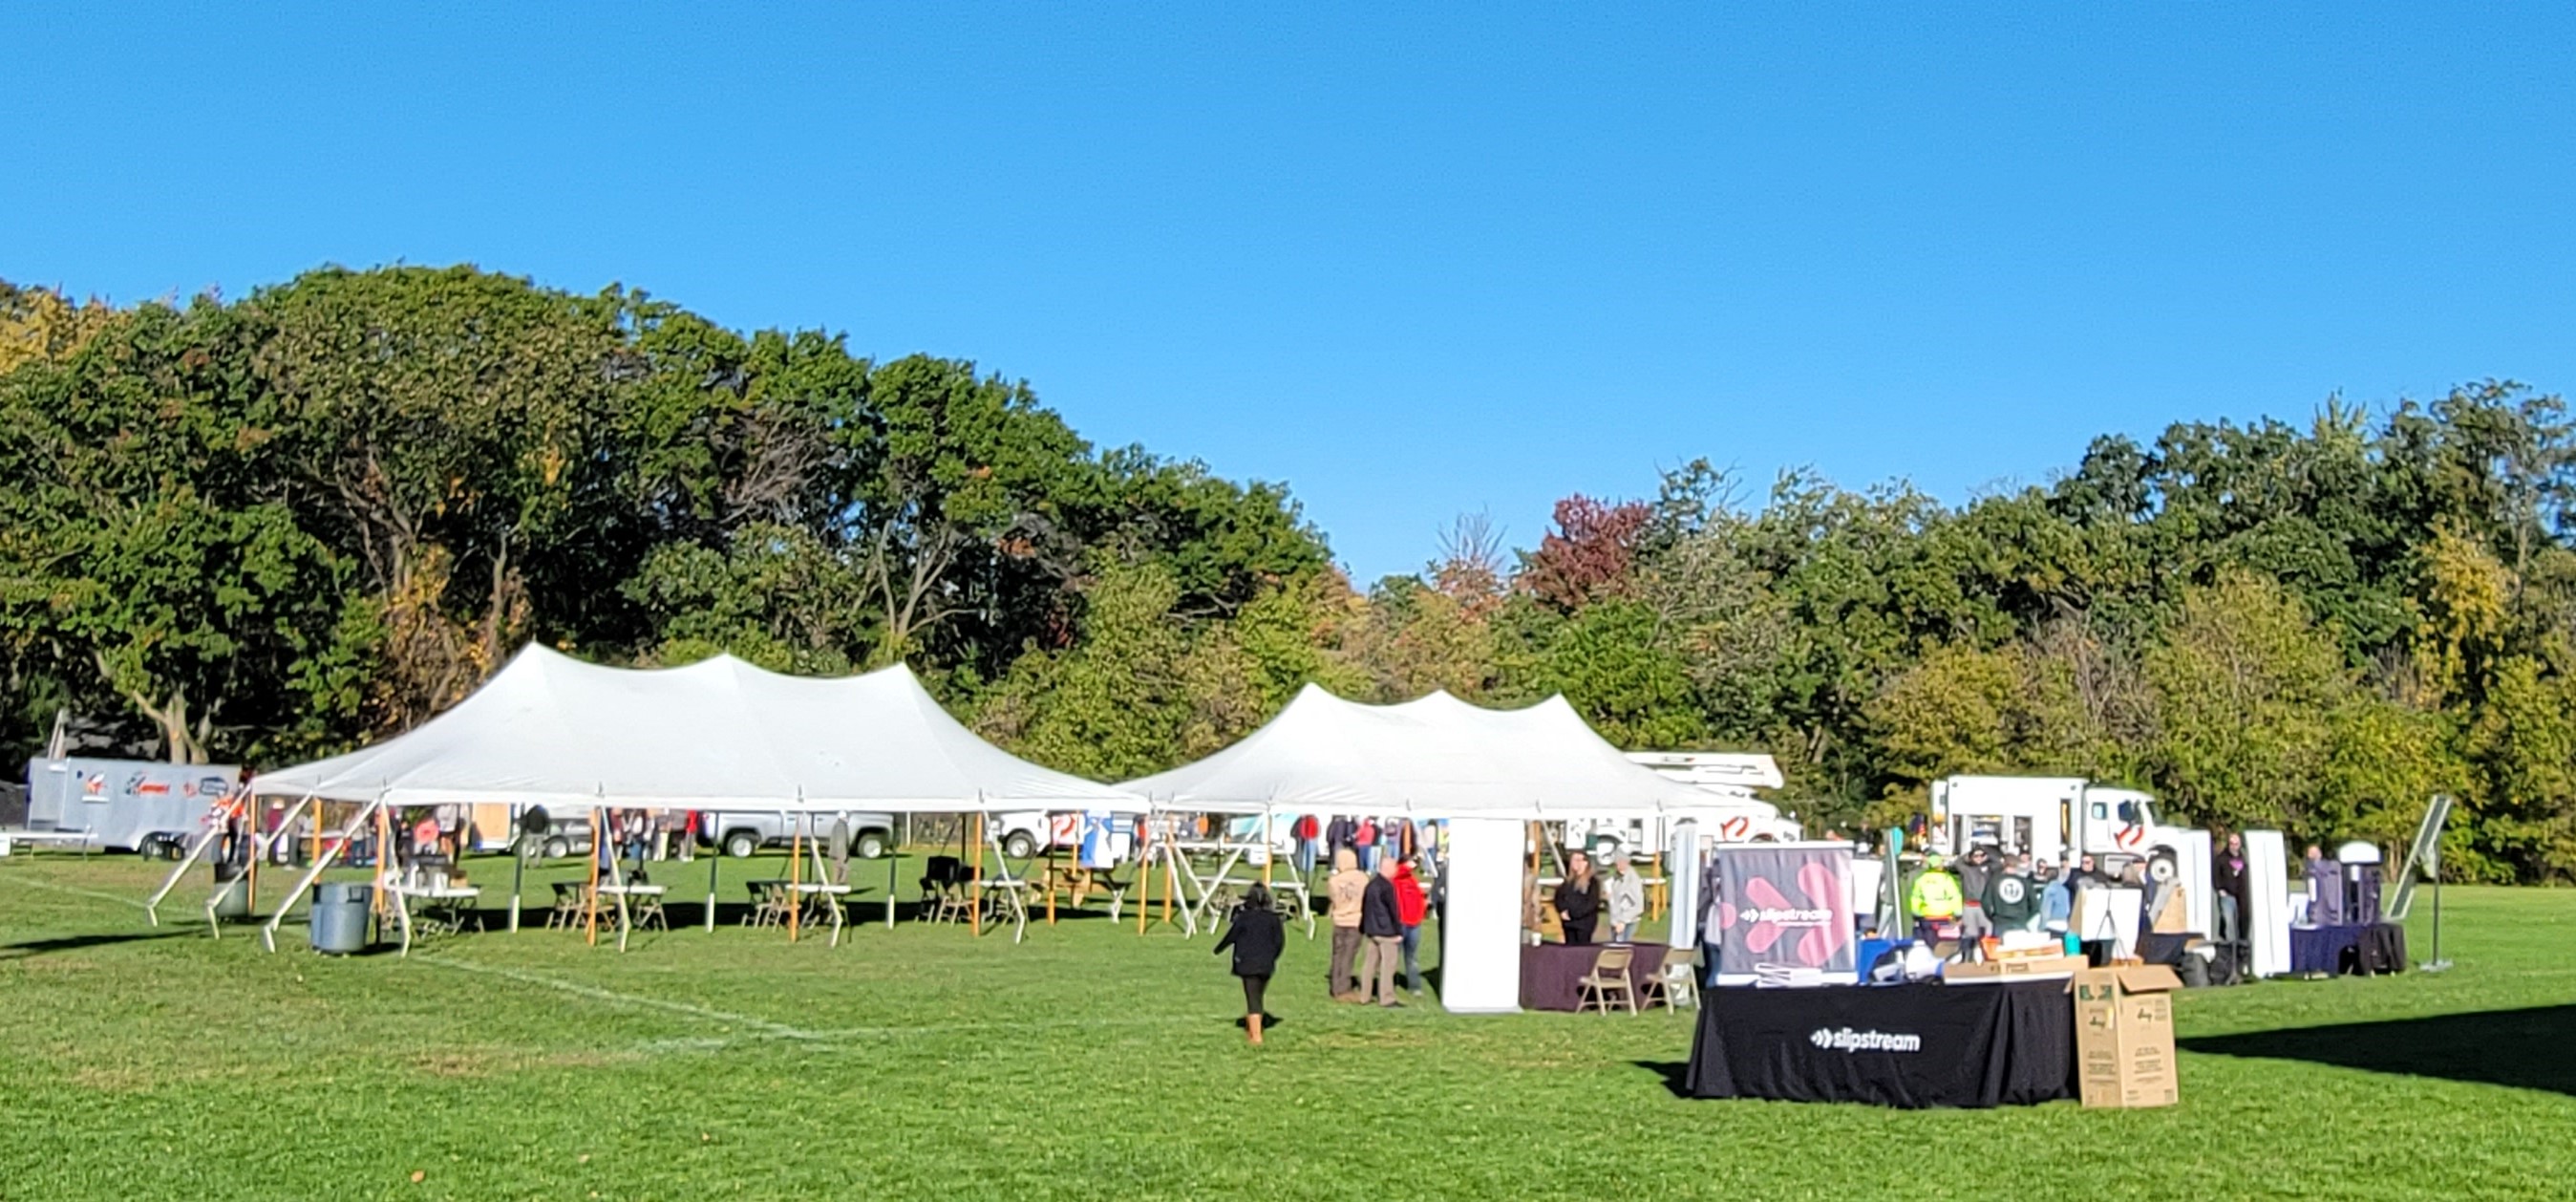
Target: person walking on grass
[(1412, 905), (1382, 924), (1345, 887), (1256, 936)]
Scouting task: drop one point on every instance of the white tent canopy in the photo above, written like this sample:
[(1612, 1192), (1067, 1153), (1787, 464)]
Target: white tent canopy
[(1433, 757), (550, 730)]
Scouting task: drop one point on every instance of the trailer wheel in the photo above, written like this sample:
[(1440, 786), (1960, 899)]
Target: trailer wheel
[(1019, 846), (558, 847), (872, 845)]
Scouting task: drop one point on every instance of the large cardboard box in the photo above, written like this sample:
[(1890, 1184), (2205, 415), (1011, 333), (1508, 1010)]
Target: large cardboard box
[(2124, 1047), (2017, 968)]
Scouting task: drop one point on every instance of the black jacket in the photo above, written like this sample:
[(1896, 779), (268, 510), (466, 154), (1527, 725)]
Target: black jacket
[(1256, 937), (1578, 904), (1380, 917)]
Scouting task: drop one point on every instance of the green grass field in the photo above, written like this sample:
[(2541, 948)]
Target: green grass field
[(1091, 1063)]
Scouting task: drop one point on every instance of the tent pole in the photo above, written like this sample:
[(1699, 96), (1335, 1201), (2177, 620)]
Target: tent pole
[(1051, 881), (252, 812), (975, 888), (625, 914), (1144, 868), (795, 873), (715, 855), (598, 847), (518, 863), (1269, 850), (892, 857)]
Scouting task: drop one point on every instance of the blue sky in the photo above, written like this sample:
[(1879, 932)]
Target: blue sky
[(1412, 260)]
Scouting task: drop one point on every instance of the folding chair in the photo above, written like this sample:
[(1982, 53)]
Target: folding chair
[(1608, 981), (943, 885), (645, 909), (569, 905), (1675, 987)]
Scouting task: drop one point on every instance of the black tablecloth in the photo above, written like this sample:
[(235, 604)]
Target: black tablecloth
[(2322, 949), (1552, 973), (1894, 1045), (2367, 949)]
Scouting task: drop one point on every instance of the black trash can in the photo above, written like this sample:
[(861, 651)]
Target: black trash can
[(340, 917)]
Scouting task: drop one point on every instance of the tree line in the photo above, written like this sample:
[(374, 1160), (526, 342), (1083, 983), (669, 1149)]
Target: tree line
[(275, 527)]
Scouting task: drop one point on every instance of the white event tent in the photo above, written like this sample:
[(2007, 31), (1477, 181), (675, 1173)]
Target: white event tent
[(552, 731), (1486, 771), (1433, 757)]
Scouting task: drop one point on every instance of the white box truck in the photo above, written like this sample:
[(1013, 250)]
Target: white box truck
[(2059, 818)]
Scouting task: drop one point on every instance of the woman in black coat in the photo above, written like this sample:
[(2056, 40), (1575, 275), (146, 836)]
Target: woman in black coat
[(1578, 900), (1256, 936)]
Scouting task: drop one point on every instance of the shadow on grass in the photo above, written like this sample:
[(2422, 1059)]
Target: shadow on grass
[(73, 943), (1676, 1074), (2533, 1048)]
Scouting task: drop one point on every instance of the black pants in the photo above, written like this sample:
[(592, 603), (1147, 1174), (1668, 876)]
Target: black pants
[(1578, 931), (1252, 987)]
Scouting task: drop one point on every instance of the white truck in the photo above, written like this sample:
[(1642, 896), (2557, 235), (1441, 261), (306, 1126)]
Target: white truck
[(2059, 818), (1736, 815)]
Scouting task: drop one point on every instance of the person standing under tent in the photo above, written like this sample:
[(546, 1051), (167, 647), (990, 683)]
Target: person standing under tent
[(1627, 898), (1364, 841), (1578, 900), (688, 835), (1308, 836), (1255, 934), (1337, 833), (1382, 924), (837, 849), (1346, 888), (1412, 905)]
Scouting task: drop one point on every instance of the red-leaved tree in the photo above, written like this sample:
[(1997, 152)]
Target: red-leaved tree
[(1590, 555)]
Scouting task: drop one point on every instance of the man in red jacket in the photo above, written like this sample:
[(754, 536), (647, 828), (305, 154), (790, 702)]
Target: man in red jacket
[(1410, 908)]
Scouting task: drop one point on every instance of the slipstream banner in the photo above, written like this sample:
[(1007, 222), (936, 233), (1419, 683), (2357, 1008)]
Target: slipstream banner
[(1784, 907)]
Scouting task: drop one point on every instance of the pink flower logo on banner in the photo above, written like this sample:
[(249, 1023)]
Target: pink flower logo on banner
[(1819, 919)]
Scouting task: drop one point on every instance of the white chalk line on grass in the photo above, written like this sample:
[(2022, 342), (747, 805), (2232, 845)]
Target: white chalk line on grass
[(616, 998), (76, 891), (767, 1029)]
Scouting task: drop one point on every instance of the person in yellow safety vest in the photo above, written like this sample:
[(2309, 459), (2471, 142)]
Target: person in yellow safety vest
[(1933, 899)]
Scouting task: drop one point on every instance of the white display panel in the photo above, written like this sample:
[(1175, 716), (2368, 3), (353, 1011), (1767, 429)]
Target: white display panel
[(1480, 933)]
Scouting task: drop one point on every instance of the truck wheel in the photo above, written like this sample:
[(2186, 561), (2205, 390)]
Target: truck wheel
[(2162, 870), (1019, 846), (872, 845), (558, 847), (741, 844)]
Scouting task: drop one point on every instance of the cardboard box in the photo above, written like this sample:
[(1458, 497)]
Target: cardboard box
[(2018, 968), (2124, 1049)]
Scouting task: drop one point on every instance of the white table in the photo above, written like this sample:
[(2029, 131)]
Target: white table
[(10, 839), (442, 908), (826, 895)]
